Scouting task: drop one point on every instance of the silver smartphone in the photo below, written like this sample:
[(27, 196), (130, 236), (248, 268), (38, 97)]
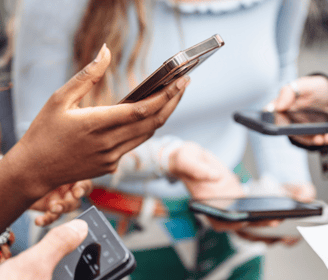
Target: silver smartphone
[(180, 64)]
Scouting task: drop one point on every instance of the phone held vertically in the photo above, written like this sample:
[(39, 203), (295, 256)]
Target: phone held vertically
[(101, 256), (254, 208), (180, 64), (302, 122)]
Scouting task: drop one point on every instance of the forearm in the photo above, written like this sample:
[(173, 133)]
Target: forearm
[(17, 188)]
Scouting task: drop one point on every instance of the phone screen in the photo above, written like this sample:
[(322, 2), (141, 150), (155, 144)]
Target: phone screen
[(99, 253), (255, 204), (291, 117)]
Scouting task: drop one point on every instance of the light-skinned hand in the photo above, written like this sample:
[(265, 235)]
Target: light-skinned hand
[(313, 93), (39, 262), (206, 177)]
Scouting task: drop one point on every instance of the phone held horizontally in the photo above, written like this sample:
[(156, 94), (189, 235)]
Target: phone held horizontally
[(254, 208), (302, 122), (180, 64)]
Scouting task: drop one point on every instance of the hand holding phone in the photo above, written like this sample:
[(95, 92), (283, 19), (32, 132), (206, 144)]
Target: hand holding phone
[(307, 121), (101, 256)]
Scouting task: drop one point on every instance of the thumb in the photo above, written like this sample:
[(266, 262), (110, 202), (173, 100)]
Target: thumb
[(285, 100), (78, 86), (59, 242)]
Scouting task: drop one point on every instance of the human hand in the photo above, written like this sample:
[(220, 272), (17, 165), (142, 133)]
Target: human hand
[(62, 200), (206, 177), (65, 143), (5, 249), (39, 262), (312, 93)]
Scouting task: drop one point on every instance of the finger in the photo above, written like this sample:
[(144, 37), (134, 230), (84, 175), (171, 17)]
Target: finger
[(59, 242), (305, 140), (110, 116), (266, 223), (6, 251), (12, 239), (70, 203), (113, 158), (46, 219), (318, 140), (227, 226), (285, 99), (82, 188), (73, 91)]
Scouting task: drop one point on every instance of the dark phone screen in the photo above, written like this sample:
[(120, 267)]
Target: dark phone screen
[(292, 117), (255, 204)]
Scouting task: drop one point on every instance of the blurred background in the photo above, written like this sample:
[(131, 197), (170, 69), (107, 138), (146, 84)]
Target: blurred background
[(300, 262)]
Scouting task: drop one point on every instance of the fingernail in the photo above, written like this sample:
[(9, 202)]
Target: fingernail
[(182, 82), (79, 226), (57, 208), (101, 53)]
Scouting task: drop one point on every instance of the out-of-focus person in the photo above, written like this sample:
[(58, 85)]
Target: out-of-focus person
[(262, 41)]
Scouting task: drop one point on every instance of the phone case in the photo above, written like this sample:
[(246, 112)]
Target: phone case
[(101, 256), (270, 129), (180, 64)]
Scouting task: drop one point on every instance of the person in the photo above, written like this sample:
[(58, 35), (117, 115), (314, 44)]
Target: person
[(101, 136), (249, 74), (305, 92)]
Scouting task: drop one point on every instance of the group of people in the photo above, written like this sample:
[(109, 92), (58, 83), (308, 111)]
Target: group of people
[(76, 140)]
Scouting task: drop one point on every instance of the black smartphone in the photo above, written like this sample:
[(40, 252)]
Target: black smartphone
[(175, 67), (302, 122), (254, 208), (101, 256)]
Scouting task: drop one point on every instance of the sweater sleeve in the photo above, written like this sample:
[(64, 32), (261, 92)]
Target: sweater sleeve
[(274, 154)]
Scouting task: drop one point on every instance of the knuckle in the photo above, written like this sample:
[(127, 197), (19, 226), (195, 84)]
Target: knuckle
[(159, 121), (112, 168), (113, 157), (140, 112), (86, 74)]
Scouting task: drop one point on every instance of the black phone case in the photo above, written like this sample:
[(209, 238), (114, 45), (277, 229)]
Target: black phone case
[(227, 216), (269, 129), (104, 234)]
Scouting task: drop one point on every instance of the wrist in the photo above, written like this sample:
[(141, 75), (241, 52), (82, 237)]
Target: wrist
[(22, 175)]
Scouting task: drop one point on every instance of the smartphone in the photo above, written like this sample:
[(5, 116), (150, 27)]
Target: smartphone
[(101, 256), (302, 122), (180, 64), (254, 208)]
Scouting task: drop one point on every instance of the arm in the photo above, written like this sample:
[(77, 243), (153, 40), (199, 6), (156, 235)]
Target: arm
[(65, 143), (275, 155)]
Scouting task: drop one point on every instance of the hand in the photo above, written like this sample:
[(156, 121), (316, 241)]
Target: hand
[(65, 143), (39, 262), (64, 199), (5, 249), (206, 177), (313, 92)]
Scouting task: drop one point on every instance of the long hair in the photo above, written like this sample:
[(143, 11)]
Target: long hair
[(316, 26), (107, 21)]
